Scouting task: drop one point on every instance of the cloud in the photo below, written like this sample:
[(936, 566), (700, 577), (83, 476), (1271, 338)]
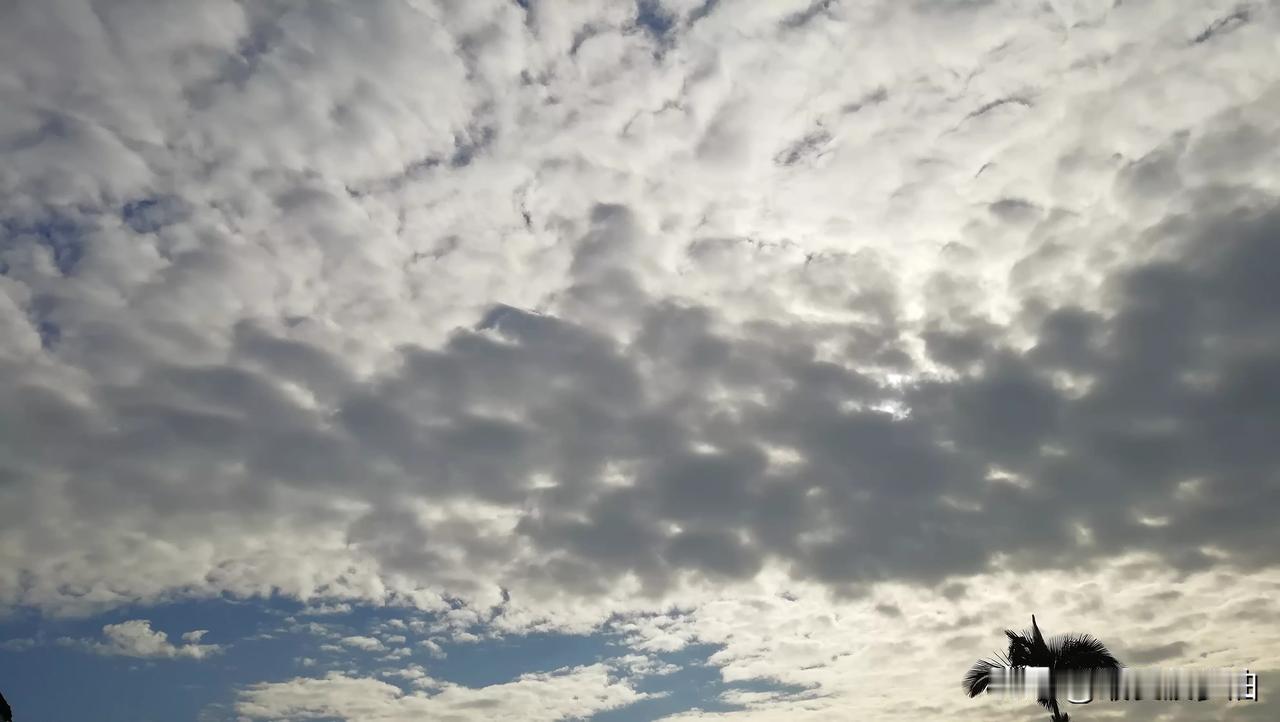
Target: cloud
[(626, 436), (638, 665), (368, 644), (19, 644), (326, 609), (573, 692), (805, 655), (538, 316), (136, 638)]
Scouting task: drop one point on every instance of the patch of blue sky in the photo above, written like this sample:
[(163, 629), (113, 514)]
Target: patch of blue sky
[(266, 640), (148, 215), (697, 684), (655, 19), (42, 311), (62, 235), (37, 680)]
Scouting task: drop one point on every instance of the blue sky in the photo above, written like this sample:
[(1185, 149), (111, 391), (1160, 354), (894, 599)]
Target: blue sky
[(262, 641)]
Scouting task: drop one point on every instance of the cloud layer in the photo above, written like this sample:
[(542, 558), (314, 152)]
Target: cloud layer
[(538, 315)]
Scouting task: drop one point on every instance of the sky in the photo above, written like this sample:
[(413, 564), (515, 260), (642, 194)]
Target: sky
[(682, 360)]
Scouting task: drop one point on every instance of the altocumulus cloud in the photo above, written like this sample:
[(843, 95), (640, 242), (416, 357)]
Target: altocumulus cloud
[(558, 316)]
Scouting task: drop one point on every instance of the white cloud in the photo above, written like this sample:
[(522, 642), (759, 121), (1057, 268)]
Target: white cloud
[(568, 693), (849, 660), (398, 653), (326, 609), (368, 644), (136, 638), (18, 644), (433, 648), (643, 665)]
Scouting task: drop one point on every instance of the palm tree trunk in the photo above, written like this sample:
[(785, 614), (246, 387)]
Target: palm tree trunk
[(1058, 716)]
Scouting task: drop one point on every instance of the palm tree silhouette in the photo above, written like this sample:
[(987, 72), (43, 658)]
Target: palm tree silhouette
[(6, 714), (1029, 649)]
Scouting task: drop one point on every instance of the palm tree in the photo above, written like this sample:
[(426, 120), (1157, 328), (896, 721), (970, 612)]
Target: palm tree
[(1029, 649), (6, 714)]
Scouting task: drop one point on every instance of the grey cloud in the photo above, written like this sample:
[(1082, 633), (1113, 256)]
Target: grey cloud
[(804, 17), (1014, 210), (1180, 369), (1223, 25), (889, 610), (875, 97), (810, 146), (891, 469), (1155, 175), (873, 480), (1153, 655), (998, 103), (256, 297)]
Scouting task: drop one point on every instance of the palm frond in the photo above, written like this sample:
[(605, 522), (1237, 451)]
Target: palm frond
[(1081, 651), (1027, 648), (977, 679), (1037, 639)]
